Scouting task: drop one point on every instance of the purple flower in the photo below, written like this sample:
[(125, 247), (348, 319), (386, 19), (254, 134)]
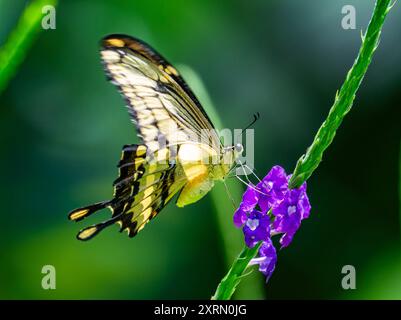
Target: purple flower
[(248, 203), (289, 213), (271, 208), (266, 259), (256, 228), (273, 187)]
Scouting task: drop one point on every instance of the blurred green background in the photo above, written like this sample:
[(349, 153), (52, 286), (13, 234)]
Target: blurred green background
[(63, 125)]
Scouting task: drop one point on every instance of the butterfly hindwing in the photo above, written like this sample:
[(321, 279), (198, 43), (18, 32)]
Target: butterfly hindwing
[(143, 188)]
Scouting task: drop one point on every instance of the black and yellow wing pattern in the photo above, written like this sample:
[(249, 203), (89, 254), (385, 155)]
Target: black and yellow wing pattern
[(166, 114)]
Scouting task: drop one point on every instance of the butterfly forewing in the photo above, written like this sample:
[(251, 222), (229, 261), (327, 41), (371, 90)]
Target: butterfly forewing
[(163, 108)]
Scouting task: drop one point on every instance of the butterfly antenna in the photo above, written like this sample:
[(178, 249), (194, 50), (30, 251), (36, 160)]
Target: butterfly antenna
[(256, 117)]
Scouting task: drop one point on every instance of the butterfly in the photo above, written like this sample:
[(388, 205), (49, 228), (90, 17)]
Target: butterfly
[(180, 151)]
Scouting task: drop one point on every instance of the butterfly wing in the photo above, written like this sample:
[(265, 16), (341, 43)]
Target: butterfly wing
[(166, 113), (163, 108)]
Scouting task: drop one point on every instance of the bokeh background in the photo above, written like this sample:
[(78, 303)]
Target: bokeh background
[(62, 126)]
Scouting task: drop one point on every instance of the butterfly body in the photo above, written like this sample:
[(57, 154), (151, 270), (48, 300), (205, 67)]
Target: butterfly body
[(180, 152), (202, 166)]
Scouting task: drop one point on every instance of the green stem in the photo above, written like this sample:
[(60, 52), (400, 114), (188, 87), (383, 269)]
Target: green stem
[(20, 39), (344, 98), (229, 283), (325, 135)]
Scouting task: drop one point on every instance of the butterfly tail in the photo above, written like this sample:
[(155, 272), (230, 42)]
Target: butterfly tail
[(131, 167), (89, 232), (83, 212)]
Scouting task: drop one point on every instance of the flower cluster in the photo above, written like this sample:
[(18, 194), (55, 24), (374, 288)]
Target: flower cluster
[(271, 208)]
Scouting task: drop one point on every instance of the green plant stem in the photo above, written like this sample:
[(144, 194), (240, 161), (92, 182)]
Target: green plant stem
[(229, 283), (325, 135), (20, 39), (344, 98)]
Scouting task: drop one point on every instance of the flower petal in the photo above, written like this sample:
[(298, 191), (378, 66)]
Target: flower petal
[(257, 228), (239, 217), (274, 186), (266, 259), (249, 199), (289, 213)]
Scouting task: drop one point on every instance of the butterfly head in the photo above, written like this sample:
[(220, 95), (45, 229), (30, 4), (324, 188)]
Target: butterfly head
[(238, 149)]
